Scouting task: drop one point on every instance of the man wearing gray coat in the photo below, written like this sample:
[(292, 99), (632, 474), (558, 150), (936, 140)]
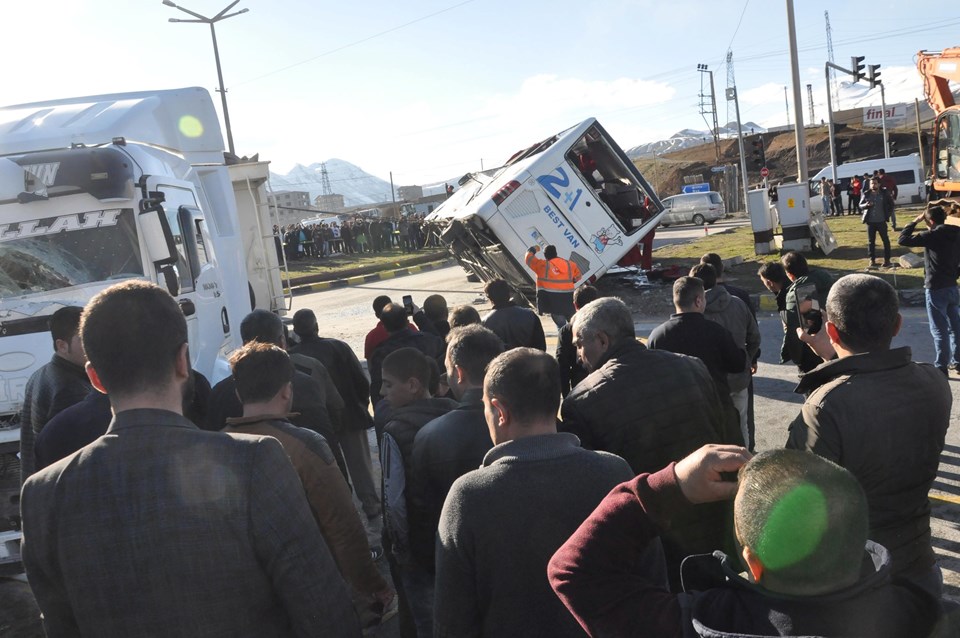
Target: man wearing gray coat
[(734, 315)]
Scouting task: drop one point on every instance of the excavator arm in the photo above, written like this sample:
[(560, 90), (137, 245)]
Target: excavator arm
[(938, 68)]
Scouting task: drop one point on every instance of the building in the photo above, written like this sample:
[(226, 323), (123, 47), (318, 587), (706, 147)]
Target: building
[(290, 199), (291, 207), (333, 203), (410, 193)]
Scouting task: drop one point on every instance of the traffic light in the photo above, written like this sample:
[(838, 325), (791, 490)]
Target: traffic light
[(856, 66), (759, 156), (843, 151), (873, 75)]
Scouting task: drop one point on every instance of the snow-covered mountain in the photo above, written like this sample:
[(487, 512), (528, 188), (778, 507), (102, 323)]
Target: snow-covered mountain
[(357, 186), (687, 138)]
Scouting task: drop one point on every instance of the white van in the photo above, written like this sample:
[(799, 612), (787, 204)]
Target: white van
[(576, 190), (905, 170), (693, 208)]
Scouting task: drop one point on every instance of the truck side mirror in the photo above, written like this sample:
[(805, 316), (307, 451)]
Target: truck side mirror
[(171, 280), (156, 234)]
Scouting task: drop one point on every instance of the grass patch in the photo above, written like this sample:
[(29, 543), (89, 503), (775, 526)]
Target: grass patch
[(849, 257), (335, 266)]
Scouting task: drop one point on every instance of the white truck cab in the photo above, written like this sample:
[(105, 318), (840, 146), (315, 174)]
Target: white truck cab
[(576, 190), (95, 190)]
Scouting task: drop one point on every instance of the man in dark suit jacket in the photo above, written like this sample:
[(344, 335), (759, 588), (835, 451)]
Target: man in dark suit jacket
[(159, 528)]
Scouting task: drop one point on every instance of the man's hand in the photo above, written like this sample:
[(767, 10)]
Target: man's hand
[(819, 343), (919, 218), (699, 474), (533, 249)]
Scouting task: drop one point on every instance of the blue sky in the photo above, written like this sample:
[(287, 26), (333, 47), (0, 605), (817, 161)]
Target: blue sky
[(427, 89)]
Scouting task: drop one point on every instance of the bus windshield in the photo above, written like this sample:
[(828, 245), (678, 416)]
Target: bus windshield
[(43, 255)]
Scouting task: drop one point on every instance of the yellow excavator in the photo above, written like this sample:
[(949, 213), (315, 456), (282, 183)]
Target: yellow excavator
[(938, 69)]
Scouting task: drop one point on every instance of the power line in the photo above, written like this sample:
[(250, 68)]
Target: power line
[(739, 22), (356, 42)]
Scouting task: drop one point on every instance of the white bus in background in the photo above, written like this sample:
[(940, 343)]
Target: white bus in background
[(905, 170)]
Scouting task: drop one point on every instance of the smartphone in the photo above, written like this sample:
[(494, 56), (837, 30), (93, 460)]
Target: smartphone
[(408, 304), (808, 309)]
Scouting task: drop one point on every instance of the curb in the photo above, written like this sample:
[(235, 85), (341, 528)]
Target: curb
[(766, 301), (910, 298), (366, 279)]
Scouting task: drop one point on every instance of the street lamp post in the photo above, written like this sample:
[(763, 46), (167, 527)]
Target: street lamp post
[(223, 15)]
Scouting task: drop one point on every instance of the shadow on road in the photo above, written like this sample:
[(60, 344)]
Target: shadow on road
[(773, 388)]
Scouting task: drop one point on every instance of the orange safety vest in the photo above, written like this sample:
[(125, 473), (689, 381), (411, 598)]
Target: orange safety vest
[(556, 275)]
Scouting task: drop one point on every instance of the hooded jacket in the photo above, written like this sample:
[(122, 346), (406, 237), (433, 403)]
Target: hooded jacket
[(731, 313)]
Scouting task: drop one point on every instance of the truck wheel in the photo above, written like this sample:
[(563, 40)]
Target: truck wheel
[(698, 220)]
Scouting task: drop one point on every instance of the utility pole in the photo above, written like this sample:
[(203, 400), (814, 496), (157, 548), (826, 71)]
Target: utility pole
[(223, 15), (801, 139), (833, 142), (883, 119), (702, 68), (732, 95)]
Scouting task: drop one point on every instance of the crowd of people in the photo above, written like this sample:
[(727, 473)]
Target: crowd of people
[(355, 236), (609, 489)]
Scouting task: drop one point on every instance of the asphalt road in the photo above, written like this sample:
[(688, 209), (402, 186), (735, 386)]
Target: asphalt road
[(686, 232), (346, 314)]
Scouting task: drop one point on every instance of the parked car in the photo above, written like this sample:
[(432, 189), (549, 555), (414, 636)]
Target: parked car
[(693, 208)]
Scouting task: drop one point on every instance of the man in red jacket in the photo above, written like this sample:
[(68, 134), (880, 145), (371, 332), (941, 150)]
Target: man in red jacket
[(801, 522)]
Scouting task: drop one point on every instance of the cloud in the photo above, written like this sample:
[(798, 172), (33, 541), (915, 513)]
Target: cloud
[(770, 93), (542, 96)]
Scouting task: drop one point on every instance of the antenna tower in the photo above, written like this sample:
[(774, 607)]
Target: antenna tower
[(709, 107), (834, 87), (325, 180), (731, 80)]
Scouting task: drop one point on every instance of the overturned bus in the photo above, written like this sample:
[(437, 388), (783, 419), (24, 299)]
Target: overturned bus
[(576, 190)]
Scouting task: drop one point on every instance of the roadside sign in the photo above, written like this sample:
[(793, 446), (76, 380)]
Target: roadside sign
[(718, 169), (764, 172), (703, 187)]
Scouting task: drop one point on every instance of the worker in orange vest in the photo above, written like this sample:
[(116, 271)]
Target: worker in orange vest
[(556, 279)]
